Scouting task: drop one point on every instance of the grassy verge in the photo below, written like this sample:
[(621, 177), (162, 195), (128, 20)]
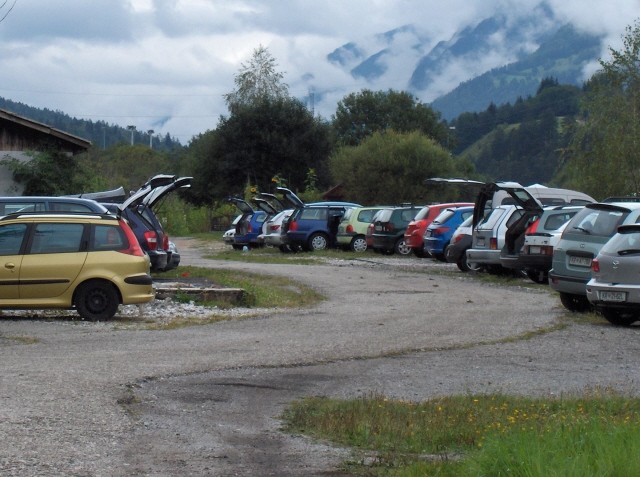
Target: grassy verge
[(484, 435), (260, 291)]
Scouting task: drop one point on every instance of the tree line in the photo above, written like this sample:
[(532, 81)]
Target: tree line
[(381, 145)]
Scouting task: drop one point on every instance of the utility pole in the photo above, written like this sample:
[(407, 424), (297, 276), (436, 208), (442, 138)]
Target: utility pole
[(150, 132), (132, 129)]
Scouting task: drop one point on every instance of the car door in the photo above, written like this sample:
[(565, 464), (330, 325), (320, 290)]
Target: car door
[(55, 255), (12, 242)]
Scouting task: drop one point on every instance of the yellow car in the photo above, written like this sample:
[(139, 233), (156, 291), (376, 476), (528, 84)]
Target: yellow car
[(89, 262)]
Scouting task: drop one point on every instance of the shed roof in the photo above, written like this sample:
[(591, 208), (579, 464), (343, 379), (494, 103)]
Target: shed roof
[(75, 143)]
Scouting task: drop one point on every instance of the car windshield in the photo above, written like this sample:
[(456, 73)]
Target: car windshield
[(596, 222)]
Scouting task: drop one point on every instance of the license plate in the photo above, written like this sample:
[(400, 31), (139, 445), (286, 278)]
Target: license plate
[(378, 228), (612, 296), (579, 261), (535, 250), (480, 242)]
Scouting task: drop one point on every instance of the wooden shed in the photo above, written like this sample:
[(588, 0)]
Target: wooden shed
[(20, 136)]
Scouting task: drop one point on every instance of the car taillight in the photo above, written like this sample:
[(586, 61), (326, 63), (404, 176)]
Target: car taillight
[(493, 243), (595, 265), (165, 242), (533, 227), (152, 239), (439, 230), (457, 238), (274, 227), (134, 247), (388, 227), (293, 226), (249, 228), (349, 229)]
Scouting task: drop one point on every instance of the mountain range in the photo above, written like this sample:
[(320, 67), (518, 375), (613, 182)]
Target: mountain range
[(497, 60)]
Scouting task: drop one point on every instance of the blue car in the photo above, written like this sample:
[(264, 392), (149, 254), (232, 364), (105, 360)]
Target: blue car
[(438, 234), (249, 227), (313, 226)]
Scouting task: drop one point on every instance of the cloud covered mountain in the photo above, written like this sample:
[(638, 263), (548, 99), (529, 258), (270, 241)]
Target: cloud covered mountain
[(495, 60)]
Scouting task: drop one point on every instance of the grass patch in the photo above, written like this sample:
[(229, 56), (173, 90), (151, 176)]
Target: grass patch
[(260, 291), (597, 433)]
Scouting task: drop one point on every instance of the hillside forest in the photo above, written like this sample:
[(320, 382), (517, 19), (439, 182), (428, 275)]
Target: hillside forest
[(378, 146)]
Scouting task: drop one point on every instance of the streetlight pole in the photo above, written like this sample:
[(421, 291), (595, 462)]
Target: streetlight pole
[(132, 129)]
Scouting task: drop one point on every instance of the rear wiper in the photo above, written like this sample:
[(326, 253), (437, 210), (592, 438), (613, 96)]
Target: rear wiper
[(582, 229), (629, 251)]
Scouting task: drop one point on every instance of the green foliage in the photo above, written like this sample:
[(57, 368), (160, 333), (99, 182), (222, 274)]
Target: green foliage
[(254, 143), (603, 157), (390, 168), (48, 173), (179, 218), (124, 165), (361, 114), (257, 81)]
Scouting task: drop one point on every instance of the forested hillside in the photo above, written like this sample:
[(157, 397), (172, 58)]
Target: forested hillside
[(100, 133)]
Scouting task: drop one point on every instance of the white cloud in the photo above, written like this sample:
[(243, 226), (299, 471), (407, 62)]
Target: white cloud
[(141, 61)]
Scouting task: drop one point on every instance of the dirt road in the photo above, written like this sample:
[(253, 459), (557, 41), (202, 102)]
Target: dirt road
[(91, 399)]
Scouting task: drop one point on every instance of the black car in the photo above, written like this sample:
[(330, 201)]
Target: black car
[(389, 228), (138, 211)]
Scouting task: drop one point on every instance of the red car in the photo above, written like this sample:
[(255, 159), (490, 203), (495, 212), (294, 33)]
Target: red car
[(413, 236)]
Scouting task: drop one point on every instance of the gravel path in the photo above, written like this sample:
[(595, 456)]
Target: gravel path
[(98, 399)]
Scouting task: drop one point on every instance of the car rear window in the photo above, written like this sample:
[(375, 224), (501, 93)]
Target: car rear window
[(596, 222), (627, 243), (408, 215), (422, 214), (365, 216), (556, 220), (492, 219), (384, 215), (108, 237), (443, 216)]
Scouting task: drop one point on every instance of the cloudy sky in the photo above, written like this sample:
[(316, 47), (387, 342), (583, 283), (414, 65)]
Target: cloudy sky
[(166, 64)]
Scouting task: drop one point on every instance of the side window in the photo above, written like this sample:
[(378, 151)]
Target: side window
[(67, 207), (11, 237), (57, 238), (108, 237)]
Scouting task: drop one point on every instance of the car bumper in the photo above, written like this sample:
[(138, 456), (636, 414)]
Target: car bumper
[(275, 240), (384, 242), (414, 240), (158, 259), (483, 256), (567, 284), (455, 250), (528, 262), (344, 240), (433, 246), (631, 293)]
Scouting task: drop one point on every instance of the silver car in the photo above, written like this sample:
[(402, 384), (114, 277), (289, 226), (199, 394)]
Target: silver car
[(614, 288)]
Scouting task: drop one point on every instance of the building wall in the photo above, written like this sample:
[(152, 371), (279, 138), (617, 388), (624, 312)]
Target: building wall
[(7, 186)]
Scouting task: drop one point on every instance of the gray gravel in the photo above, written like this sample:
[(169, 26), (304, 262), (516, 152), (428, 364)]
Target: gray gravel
[(105, 399)]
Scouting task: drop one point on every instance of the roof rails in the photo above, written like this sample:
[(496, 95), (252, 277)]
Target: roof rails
[(57, 214)]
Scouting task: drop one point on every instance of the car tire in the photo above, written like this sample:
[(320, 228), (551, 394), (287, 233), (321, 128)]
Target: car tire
[(358, 244), (440, 257), (401, 247), (237, 247), (284, 248), (620, 317), (464, 265), (575, 303), (96, 300), (318, 241)]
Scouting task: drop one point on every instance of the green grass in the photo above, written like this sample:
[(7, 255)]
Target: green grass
[(596, 434), (260, 291)]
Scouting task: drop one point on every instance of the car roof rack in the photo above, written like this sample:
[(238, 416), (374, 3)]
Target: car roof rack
[(57, 214)]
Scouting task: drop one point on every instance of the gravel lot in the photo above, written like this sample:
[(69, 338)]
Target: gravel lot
[(114, 399)]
